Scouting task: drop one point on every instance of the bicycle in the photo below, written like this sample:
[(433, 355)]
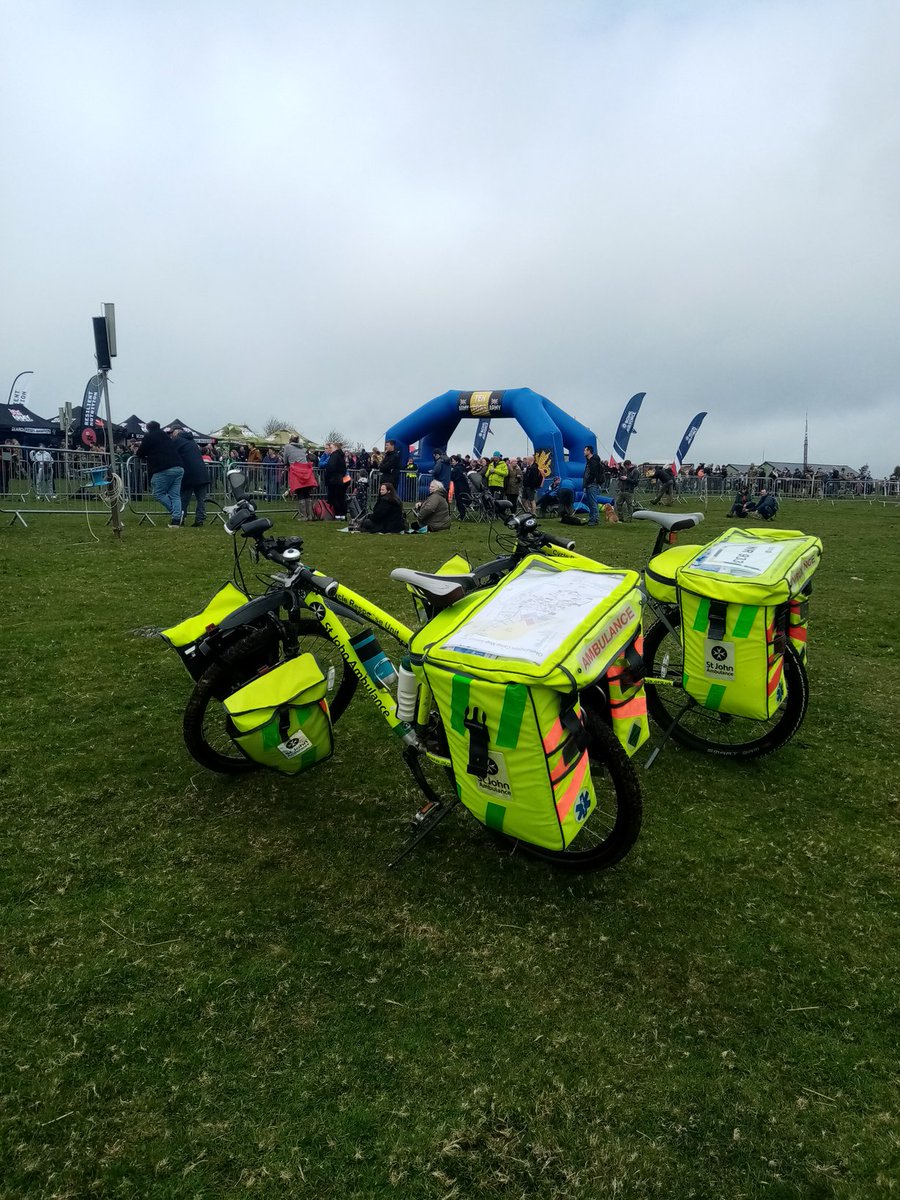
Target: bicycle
[(678, 715), (305, 610)]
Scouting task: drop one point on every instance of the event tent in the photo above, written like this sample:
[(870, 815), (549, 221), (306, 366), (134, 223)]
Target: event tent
[(236, 432), (16, 419), (133, 426)]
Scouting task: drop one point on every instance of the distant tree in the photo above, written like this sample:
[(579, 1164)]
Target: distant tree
[(864, 472), (275, 424), (335, 435), (895, 474)]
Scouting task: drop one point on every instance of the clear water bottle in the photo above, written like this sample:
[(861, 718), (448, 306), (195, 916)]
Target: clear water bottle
[(374, 659), (407, 691)]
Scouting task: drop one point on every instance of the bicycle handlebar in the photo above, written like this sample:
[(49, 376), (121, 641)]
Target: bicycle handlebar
[(548, 539)]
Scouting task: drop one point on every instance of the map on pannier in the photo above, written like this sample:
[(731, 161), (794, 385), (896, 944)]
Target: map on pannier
[(742, 559), (532, 615)]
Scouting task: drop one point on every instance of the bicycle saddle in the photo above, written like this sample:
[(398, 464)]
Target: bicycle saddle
[(440, 590), (673, 522)]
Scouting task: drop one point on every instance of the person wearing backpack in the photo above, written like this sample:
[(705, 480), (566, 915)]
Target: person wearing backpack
[(665, 485)]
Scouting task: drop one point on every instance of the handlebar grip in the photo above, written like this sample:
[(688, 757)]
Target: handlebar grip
[(255, 528), (319, 583), (549, 539)]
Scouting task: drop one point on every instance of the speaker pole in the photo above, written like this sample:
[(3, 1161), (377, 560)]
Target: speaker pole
[(105, 345)]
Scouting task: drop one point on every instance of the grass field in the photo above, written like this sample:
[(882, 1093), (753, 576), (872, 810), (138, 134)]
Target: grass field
[(215, 988)]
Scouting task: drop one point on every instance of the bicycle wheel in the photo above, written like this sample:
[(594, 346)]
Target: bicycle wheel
[(205, 724), (613, 827), (713, 732)]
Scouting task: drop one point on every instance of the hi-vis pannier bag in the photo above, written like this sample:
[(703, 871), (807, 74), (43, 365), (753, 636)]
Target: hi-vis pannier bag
[(505, 668), (281, 719), (740, 597), (184, 636)]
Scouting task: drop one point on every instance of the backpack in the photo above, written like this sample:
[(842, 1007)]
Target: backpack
[(506, 668), (741, 598), (323, 511)]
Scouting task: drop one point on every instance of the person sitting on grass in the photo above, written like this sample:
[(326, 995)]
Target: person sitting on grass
[(386, 515), (767, 505), (433, 513), (742, 504)]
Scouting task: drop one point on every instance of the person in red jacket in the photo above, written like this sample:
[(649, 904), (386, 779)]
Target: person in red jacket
[(301, 478)]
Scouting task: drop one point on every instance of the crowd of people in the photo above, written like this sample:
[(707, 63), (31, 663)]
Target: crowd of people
[(339, 478)]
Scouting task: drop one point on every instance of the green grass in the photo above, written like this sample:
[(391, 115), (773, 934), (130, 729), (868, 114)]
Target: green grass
[(215, 988)]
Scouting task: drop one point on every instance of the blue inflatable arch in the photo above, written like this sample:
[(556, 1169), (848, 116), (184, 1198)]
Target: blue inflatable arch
[(550, 430)]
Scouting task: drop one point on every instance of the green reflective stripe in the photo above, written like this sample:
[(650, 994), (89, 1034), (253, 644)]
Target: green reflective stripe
[(271, 734), (702, 618), (745, 619), (514, 699), (493, 815), (716, 695), (459, 702)]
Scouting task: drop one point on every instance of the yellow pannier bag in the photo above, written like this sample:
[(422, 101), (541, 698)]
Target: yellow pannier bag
[(506, 667), (735, 597), (659, 573), (184, 636), (281, 719)]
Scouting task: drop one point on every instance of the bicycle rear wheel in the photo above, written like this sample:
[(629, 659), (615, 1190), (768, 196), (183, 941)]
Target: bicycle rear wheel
[(713, 732), (205, 724), (613, 827)]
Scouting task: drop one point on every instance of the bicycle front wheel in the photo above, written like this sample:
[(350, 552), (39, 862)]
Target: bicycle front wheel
[(205, 724), (713, 732), (613, 827)]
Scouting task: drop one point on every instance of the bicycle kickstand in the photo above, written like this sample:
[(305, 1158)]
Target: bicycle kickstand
[(666, 735), (432, 811), (431, 815)]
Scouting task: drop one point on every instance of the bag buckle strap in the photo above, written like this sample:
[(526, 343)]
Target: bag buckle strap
[(573, 725), (718, 610), (476, 723), (284, 721)]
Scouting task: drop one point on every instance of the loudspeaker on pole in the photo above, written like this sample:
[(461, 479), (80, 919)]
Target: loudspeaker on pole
[(101, 344)]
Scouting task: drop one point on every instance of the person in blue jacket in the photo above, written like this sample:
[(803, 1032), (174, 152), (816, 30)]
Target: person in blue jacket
[(440, 472)]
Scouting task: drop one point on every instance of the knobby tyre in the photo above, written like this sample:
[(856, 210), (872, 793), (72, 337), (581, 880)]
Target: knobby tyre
[(712, 732), (613, 827), (205, 725)]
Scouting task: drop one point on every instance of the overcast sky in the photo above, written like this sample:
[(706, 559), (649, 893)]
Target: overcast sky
[(332, 212)]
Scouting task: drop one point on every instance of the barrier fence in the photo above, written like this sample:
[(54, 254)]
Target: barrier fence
[(62, 480)]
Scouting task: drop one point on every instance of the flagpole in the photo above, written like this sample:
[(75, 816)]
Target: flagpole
[(14, 382)]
